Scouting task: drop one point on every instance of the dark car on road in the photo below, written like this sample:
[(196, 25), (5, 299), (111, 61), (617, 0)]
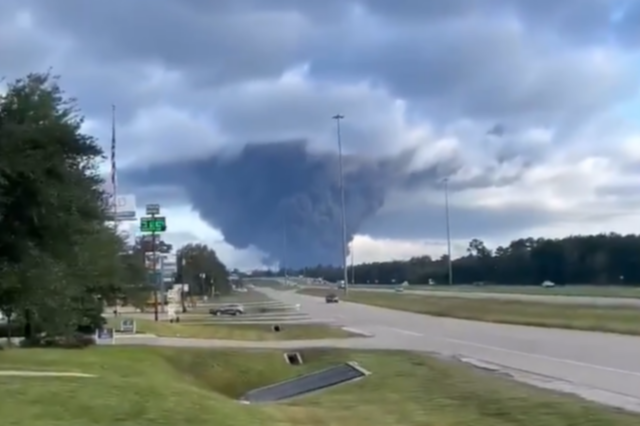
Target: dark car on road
[(332, 298), (232, 309)]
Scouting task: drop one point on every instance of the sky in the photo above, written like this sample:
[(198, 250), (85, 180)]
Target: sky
[(528, 108)]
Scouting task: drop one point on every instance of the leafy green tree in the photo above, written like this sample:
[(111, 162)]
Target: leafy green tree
[(58, 258), (200, 267)]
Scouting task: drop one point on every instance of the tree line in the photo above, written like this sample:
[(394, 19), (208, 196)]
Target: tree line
[(61, 261), (200, 268), (603, 259)]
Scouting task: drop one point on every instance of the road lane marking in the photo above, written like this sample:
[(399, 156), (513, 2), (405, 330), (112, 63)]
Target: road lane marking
[(357, 331), (399, 330), (545, 357)]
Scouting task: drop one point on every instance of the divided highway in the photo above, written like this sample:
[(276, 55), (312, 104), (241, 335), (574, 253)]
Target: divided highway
[(604, 366)]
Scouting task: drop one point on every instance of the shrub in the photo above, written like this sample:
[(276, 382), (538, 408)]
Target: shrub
[(75, 341)]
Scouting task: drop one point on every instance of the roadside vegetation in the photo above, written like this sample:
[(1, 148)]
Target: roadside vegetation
[(59, 259), (244, 332), (606, 263), (198, 387)]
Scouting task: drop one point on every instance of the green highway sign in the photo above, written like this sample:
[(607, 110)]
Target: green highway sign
[(153, 224)]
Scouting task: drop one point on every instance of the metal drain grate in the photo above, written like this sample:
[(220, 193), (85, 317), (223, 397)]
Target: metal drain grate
[(305, 384)]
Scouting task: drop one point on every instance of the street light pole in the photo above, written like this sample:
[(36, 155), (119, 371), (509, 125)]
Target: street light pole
[(339, 117), (448, 225), (284, 255), (353, 267)]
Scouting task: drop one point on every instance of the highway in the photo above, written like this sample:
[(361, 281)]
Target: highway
[(603, 367), (466, 294)]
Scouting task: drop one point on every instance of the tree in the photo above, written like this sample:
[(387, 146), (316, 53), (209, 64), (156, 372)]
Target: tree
[(58, 258), (591, 259), (200, 267)]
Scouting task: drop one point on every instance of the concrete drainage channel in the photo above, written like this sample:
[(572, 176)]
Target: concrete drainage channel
[(305, 384)]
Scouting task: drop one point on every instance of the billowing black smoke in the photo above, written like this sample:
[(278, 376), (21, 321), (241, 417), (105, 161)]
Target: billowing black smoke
[(284, 199)]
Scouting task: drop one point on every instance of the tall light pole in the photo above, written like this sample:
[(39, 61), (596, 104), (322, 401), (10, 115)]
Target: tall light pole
[(448, 225), (339, 117), (353, 267), (284, 252)]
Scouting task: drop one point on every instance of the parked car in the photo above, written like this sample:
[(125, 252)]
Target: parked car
[(331, 298), (231, 309)]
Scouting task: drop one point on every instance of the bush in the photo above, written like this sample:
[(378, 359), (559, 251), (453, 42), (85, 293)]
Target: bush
[(75, 341), (17, 330)]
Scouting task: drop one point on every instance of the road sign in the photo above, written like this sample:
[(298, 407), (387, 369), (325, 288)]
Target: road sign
[(153, 224), (105, 336), (155, 277), (128, 326), (121, 208), (153, 209)]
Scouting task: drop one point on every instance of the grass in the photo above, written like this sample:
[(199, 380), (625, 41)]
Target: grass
[(237, 331), (196, 387), (614, 319), (250, 296), (571, 290), (257, 308)]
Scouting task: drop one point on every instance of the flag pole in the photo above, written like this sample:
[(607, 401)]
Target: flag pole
[(114, 169)]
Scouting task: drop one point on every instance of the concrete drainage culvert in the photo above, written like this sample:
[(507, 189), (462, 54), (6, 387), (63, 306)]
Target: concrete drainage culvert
[(308, 383)]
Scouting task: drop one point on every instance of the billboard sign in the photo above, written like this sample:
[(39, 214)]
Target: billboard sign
[(121, 208)]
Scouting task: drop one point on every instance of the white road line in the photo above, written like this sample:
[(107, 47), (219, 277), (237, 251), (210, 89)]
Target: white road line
[(399, 330), (545, 357), (357, 331)]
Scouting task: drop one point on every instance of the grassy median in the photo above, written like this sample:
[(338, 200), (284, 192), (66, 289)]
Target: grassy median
[(197, 387), (238, 331), (614, 319), (569, 290)]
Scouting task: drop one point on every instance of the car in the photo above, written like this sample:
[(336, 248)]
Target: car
[(331, 298), (231, 309)]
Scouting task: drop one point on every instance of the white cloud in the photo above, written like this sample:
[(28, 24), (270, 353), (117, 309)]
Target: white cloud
[(367, 249)]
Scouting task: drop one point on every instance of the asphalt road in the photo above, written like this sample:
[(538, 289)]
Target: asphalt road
[(604, 367)]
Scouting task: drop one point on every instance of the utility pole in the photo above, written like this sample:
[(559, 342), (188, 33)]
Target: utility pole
[(339, 117), (153, 271), (448, 226)]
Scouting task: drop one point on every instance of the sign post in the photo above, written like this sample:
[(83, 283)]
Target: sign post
[(154, 225), (105, 336), (128, 326)]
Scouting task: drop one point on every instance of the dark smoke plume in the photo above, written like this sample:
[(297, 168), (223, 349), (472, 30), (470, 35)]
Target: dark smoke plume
[(284, 199)]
